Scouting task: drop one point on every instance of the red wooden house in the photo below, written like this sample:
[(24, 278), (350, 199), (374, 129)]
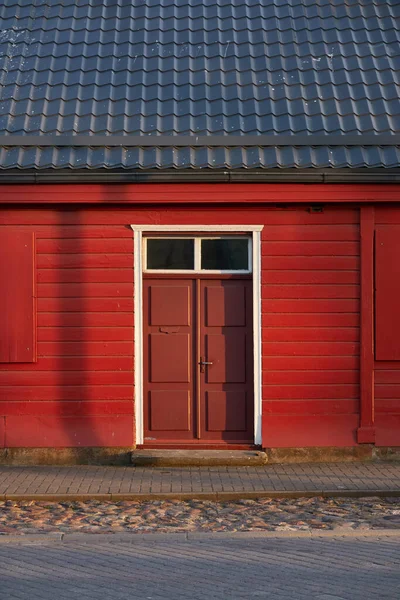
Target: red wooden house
[(199, 225)]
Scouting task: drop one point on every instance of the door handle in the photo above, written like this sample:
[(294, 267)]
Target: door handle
[(203, 363)]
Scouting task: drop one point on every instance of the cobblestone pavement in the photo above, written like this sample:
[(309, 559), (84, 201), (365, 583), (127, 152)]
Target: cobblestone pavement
[(208, 516), (210, 568), (91, 480)]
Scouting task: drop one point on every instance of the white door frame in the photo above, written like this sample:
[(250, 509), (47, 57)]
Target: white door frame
[(138, 231)]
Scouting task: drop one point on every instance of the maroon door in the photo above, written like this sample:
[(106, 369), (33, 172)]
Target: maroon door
[(198, 361)]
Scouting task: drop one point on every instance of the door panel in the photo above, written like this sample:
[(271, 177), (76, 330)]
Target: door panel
[(226, 411), (170, 359), (226, 385), (168, 355), (162, 418), (186, 321)]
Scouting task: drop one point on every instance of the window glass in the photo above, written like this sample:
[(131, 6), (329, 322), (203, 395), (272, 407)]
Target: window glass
[(225, 254), (170, 253)]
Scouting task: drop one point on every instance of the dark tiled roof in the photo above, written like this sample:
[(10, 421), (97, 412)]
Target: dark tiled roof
[(199, 67)]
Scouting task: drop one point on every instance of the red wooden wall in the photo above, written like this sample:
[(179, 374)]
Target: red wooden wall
[(80, 391)]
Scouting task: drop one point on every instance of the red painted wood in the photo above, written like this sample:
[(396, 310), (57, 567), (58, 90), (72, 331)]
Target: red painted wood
[(302, 363), (85, 245), (310, 277), (196, 192), (86, 334), (308, 263), (388, 405), (85, 348), (309, 233), (2, 432), (63, 432), (85, 319), (300, 248), (102, 216), (226, 385), (366, 430), (55, 378), (75, 363), (387, 215), (315, 306), (337, 392), (318, 333), (17, 297), (310, 349), (86, 276), (301, 323), (309, 291), (315, 376), (84, 261), (168, 338), (60, 392), (387, 293), (387, 429), (80, 304), (85, 290), (297, 431), (86, 408), (311, 407)]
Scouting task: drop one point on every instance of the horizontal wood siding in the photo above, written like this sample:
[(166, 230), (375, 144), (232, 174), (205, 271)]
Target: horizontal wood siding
[(387, 373), (310, 316), (80, 392)]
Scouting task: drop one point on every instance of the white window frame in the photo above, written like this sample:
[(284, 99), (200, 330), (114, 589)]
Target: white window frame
[(197, 255), (254, 232)]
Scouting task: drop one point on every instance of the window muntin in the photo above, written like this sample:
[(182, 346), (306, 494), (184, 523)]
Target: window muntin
[(211, 254)]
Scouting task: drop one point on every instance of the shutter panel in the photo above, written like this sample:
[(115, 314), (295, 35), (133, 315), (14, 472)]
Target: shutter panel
[(17, 297), (387, 293)]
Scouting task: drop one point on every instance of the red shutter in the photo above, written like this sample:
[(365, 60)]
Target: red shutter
[(17, 297), (387, 293)]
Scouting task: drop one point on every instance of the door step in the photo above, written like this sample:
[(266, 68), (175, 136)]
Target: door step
[(198, 458)]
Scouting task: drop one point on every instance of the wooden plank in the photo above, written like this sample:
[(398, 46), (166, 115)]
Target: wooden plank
[(86, 276), (85, 347), (387, 376), (54, 378), (309, 233), (103, 216), (310, 277), (310, 334), (17, 297), (310, 306), (64, 432), (387, 391), (60, 393), (294, 348), (94, 319), (297, 248), (85, 245), (321, 320), (309, 377), (387, 215), (84, 261), (387, 293), (311, 407), (84, 305), (55, 231), (75, 363), (309, 291), (181, 193), (366, 429), (309, 263), (67, 409), (300, 431), (85, 290), (323, 392), (387, 406), (303, 363), (85, 334), (387, 430)]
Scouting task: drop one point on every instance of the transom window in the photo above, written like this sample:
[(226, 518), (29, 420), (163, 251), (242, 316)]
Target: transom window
[(217, 254)]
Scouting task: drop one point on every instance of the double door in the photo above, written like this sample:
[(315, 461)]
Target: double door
[(198, 361)]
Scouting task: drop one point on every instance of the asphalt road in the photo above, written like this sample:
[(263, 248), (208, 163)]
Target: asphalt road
[(210, 567)]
